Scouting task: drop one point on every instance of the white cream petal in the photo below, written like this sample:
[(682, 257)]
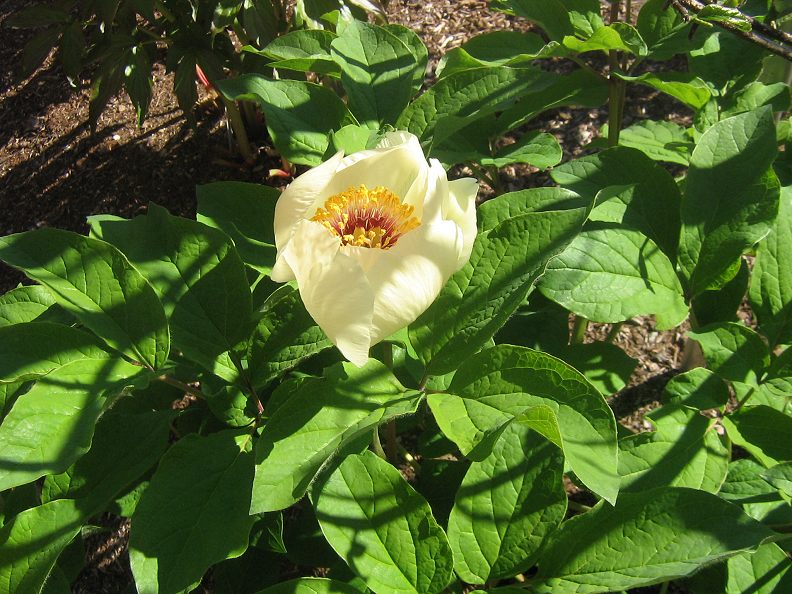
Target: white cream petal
[(333, 288), (461, 208), (300, 195), (408, 277)]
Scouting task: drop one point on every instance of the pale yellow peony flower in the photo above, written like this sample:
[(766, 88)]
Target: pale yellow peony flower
[(372, 238)]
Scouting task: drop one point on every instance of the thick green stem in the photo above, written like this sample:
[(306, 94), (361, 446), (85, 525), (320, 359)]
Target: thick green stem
[(579, 330), (238, 126), (664, 587), (614, 332), (578, 507), (377, 444)]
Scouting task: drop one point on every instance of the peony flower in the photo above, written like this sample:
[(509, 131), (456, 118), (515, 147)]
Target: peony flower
[(371, 238)]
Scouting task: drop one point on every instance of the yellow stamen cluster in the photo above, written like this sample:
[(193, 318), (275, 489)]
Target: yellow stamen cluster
[(367, 218)]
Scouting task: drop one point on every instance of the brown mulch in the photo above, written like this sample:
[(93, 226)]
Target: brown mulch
[(55, 172)]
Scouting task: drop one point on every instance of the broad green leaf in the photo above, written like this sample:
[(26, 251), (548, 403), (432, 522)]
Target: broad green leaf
[(32, 349), (614, 37), (300, 115), (698, 388), (535, 148), (731, 197), (652, 207), (689, 89), (771, 282), (52, 424), (194, 512), (556, 17), (37, 49), (780, 476), (8, 395), (506, 506), (304, 50), (382, 528), (777, 385), (766, 571), (478, 299), (580, 88), (32, 541), (284, 336), (197, 274), (320, 416), (723, 303), (727, 61), (417, 48), (683, 451), (96, 283), (733, 351), (377, 70), (649, 537), (610, 274), (665, 31), (494, 48), (763, 432), (245, 212), (744, 483), (659, 140), (123, 448), (25, 304), (311, 586), (756, 95), (514, 204), (505, 382), (455, 101), (717, 13)]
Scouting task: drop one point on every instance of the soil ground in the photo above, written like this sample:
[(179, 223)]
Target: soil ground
[(55, 172)]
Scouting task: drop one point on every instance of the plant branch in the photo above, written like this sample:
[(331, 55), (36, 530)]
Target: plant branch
[(773, 40), (171, 381)]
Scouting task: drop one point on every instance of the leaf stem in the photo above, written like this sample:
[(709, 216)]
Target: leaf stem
[(390, 427), (171, 381), (664, 587), (614, 332), (238, 126), (578, 507), (579, 330), (376, 444)]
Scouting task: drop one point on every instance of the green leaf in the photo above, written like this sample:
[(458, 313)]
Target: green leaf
[(717, 13), (194, 512), (300, 115), (756, 95), (652, 207), (478, 299), (27, 304), (311, 586), (722, 304), (535, 148), (744, 483), (614, 37), (506, 506), (649, 537), (196, 273), (319, 417), (766, 571), (123, 448), (457, 100), (504, 382), (377, 70), (689, 89), (138, 80), (418, 50), (32, 349), (780, 476), (37, 49), (382, 528), (494, 48), (245, 212), (762, 431), (731, 197), (659, 140), (698, 388), (52, 424), (96, 283), (727, 61), (683, 451), (665, 31), (285, 336), (610, 274), (771, 282), (556, 17), (300, 44), (733, 351), (32, 541)]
